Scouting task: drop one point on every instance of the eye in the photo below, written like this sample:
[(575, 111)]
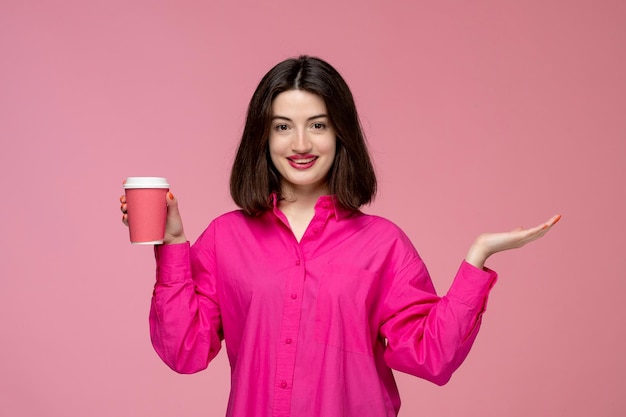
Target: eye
[(319, 125), (281, 127)]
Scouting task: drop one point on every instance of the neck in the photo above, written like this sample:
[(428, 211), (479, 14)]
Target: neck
[(298, 199), (298, 206)]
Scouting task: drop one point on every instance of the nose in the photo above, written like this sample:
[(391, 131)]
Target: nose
[(301, 142)]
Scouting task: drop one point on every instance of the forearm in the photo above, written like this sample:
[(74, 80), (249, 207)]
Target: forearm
[(184, 326), (431, 336)]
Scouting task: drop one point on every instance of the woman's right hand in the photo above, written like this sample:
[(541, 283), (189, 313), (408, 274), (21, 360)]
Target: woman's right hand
[(174, 232)]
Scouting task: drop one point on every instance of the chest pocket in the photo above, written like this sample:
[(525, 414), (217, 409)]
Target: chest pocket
[(345, 302)]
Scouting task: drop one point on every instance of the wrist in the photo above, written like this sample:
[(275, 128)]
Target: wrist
[(476, 256), (175, 240)]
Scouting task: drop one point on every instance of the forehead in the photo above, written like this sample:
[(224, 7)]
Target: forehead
[(298, 102)]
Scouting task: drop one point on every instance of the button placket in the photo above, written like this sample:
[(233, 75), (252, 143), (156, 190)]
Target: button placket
[(286, 355)]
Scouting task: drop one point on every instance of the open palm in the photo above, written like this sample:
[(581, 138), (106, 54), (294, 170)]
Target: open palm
[(489, 243)]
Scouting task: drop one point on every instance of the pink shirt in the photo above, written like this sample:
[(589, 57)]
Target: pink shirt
[(312, 328)]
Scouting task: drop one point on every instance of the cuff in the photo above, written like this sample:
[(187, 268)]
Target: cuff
[(172, 262), (472, 285)]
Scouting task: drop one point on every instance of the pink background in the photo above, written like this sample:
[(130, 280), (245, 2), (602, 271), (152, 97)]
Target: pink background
[(481, 115)]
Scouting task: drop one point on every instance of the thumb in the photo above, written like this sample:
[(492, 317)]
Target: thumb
[(172, 204), (174, 232)]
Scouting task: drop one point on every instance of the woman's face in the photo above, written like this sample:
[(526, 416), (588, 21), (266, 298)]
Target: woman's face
[(302, 142)]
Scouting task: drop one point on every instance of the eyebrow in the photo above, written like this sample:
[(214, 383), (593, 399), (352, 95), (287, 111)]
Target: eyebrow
[(309, 119)]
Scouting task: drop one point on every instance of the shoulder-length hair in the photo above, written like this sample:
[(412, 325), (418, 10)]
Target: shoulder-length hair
[(254, 178)]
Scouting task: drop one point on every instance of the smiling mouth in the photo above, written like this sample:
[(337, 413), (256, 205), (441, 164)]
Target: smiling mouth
[(302, 163), (303, 160)]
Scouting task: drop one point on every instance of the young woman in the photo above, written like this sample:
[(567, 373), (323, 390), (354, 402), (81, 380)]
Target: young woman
[(316, 301)]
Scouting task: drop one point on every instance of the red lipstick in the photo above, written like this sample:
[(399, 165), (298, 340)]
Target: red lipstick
[(302, 161)]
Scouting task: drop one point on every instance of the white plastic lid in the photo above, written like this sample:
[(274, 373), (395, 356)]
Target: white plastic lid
[(146, 182)]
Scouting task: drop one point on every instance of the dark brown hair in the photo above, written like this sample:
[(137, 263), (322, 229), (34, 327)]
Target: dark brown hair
[(253, 177)]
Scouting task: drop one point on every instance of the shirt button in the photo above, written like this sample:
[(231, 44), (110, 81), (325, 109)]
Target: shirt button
[(316, 230), (294, 296), (288, 340), (298, 262), (283, 384)]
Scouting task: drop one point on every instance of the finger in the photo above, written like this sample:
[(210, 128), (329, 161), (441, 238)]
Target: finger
[(554, 220), (551, 222), (528, 235), (124, 207), (172, 205), (123, 199), (125, 219), (536, 229), (542, 229), (172, 202)]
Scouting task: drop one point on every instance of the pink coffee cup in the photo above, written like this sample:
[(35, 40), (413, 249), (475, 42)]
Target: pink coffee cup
[(147, 209)]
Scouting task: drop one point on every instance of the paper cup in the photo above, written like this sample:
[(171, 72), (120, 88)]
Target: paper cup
[(147, 209)]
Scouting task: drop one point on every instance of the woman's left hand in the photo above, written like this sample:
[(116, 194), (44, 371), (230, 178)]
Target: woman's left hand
[(489, 243)]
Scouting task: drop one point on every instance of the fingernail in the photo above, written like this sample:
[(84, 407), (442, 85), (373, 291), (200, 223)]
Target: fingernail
[(170, 195), (557, 219)]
